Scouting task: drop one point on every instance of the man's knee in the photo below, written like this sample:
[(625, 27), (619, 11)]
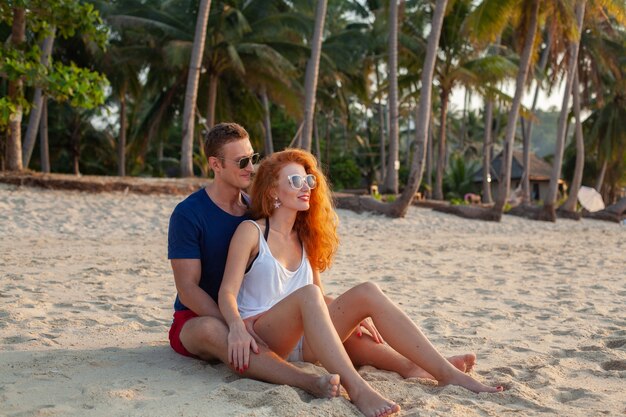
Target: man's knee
[(204, 335)]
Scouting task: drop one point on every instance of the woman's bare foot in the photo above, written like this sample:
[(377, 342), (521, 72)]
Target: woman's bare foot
[(372, 404), (328, 386), (464, 363), (467, 382)]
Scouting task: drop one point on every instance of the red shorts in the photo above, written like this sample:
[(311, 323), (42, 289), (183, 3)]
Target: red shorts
[(180, 318)]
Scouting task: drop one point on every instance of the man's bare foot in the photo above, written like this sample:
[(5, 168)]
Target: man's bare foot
[(464, 363), (372, 404), (328, 386), (467, 382)]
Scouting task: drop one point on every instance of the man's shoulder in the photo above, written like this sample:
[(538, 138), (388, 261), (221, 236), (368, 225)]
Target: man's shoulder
[(191, 202)]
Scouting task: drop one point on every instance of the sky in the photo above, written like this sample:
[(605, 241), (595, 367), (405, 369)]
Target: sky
[(545, 102)]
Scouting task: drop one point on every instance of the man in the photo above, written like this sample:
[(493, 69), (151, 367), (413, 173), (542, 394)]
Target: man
[(200, 231)]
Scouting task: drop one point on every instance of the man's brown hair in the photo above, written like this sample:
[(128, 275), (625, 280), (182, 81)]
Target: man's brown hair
[(220, 135)]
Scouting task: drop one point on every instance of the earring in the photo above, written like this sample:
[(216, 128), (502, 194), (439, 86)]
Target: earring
[(277, 203)]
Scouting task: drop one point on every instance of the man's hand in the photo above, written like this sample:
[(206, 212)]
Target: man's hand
[(239, 344), (368, 325)]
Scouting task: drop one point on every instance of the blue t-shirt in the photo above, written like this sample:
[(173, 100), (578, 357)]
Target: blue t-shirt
[(199, 229)]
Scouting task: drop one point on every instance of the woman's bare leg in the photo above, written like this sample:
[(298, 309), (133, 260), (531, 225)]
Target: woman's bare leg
[(367, 300), (305, 311), (366, 351)]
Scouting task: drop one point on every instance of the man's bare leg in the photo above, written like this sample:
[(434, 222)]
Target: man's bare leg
[(207, 338), (364, 350)]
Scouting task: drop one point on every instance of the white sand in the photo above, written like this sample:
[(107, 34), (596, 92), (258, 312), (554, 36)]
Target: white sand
[(86, 300)]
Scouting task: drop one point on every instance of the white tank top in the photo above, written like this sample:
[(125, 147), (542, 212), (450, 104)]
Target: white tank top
[(268, 282)]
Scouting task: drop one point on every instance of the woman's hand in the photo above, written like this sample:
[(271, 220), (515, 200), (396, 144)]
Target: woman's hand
[(239, 343), (249, 322), (368, 325)]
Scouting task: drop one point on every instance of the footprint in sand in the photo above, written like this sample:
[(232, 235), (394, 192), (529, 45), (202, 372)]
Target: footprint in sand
[(617, 365), (573, 395), (615, 343)]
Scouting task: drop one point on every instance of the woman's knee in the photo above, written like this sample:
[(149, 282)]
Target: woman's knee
[(310, 292), (368, 290)]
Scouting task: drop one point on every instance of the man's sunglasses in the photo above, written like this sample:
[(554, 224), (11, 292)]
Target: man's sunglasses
[(297, 181), (243, 162)]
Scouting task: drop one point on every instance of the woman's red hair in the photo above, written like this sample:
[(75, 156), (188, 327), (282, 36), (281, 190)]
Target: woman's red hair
[(316, 227)]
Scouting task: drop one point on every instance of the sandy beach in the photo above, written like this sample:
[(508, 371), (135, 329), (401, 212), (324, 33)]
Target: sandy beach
[(86, 296)]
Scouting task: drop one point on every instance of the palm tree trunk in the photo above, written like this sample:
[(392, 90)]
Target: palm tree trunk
[(383, 148), (316, 136), (401, 205), (487, 144), (528, 132), (391, 178), (601, 175), (267, 122), (210, 114), (121, 144), (463, 135), (442, 146), (75, 144), (43, 137), (572, 198), (509, 141), (429, 155), (35, 113), (310, 78), (16, 93), (381, 117), (327, 133), (191, 92), (548, 212)]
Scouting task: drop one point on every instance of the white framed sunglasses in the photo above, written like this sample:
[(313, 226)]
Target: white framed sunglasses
[(297, 181)]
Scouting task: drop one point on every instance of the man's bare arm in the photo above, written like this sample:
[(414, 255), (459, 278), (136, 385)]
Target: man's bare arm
[(187, 274)]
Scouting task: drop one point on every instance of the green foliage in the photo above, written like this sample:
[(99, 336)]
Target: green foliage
[(344, 173), (457, 202), (81, 87), (458, 178)]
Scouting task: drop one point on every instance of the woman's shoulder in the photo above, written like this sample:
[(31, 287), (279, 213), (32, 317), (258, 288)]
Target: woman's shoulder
[(253, 224), (250, 229)]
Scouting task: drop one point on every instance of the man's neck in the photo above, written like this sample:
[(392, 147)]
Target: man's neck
[(227, 197)]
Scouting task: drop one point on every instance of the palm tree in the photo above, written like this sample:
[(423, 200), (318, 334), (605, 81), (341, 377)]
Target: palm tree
[(487, 147), (569, 207), (35, 113), (391, 177), (549, 212), (310, 78), (531, 23), (527, 128), (16, 93), (191, 93), (460, 64), (401, 205), (606, 140)]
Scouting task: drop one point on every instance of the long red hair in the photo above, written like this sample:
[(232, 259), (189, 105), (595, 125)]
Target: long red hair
[(316, 227)]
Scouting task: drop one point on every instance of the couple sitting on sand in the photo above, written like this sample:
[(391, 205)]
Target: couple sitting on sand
[(247, 272)]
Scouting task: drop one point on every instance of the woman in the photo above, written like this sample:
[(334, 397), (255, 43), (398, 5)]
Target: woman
[(272, 280)]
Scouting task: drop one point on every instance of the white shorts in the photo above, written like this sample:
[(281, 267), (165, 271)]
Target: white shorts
[(296, 353)]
